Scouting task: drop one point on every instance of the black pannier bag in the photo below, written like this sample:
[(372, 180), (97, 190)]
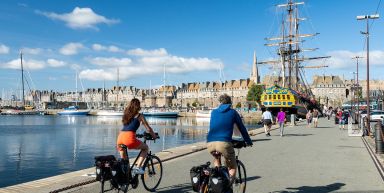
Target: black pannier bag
[(120, 172), (196, 173), (219, 180), (103, 167)]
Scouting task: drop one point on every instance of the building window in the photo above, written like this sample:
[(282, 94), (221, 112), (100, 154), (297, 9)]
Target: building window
[(288, 97), (274, 97), (283, 97)]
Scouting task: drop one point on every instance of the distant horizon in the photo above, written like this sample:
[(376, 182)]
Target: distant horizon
[(192, 41)]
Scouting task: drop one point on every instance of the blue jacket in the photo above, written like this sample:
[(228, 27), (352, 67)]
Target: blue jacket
[(221, 125)]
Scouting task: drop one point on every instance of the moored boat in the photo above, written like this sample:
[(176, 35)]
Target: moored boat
[(161, 113), (73, 110), (107, 113), (204, 113)]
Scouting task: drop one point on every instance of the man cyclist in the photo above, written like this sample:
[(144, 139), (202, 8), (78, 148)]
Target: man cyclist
[(220, 133)]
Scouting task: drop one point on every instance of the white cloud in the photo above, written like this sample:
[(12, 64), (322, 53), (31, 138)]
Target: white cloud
[(75, 67), (80, 18), (55, 63), (111, 62), (98, 74), (114, 49), (149, 63), (342, 59), (142, 52), (71, 48), (98, 47), (4, 49), (27, 64), (52, 78), (32, 51)]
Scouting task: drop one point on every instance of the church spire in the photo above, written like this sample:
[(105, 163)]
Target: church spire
[(255, 73)]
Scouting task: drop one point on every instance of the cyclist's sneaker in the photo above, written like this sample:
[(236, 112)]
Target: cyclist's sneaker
[(137, 170)]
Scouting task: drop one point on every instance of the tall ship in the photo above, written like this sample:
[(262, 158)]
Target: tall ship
[(289, 88)]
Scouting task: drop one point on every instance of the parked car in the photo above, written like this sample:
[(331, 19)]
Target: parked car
[(377, 115)]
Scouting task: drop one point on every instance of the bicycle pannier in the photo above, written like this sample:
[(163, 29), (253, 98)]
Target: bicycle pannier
[(196, 173), (103, 167), (219, 180), (120, 172)]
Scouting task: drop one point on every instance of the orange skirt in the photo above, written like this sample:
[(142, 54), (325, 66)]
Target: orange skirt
[(128, 138)]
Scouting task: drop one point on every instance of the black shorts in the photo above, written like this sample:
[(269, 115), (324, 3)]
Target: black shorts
[(267, 122)]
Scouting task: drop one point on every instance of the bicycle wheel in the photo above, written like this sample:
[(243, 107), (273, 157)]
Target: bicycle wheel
[(153, 173), (240, 182)]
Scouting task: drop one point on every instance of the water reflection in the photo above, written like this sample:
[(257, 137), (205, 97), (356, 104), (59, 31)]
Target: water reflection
[(34, 147)]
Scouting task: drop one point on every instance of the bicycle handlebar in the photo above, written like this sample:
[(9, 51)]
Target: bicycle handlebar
[(239, 144), (147, 136)]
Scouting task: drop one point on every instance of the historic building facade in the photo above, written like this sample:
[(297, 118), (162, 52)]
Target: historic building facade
[(329, 90)]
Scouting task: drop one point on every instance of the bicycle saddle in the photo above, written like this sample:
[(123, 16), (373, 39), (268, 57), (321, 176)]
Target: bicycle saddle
[(123, 146), (216, 153)]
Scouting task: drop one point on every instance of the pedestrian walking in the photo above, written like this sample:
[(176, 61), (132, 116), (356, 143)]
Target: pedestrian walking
[(308, 116), (329, 113), (315, 117), (267, 121), (281, 120), (339, 117)]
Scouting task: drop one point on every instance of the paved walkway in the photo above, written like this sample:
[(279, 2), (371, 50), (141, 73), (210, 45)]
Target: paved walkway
[(322, 159)]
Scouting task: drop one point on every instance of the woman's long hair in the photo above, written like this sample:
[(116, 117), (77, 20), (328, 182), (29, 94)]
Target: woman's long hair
[(131, 110)]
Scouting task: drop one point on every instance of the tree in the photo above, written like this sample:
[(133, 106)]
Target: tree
[(238, 105), (254, 93), (195, 103)]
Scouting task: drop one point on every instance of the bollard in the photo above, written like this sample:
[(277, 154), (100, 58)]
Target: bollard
[(379, 138), (292, 119)]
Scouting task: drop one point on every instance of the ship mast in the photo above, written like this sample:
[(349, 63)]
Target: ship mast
[(289, 47), (22, 76)]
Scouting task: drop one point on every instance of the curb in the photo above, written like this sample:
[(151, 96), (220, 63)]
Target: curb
[(375, 160)]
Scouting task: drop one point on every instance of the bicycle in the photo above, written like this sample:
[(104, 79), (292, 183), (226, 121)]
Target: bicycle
[(239, 184), (153, 170)]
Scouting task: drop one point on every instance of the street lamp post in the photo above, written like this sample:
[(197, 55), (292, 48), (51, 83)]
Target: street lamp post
[(367, 17)]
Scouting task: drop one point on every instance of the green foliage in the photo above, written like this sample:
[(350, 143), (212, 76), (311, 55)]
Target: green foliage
[(238, 105), (195, 104), (254, 93)]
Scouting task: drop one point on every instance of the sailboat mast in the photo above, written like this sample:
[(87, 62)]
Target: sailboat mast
[(77, 93), (22, 76), (118, 88), (165, 100), (290, 17)]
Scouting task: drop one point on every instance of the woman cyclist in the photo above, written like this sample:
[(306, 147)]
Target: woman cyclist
[(220, 133), (127, 136)]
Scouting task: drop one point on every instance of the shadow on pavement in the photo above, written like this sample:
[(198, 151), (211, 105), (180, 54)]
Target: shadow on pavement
[(296, 135), (252, 178), (186, 187), (317, 189), (255, 140)]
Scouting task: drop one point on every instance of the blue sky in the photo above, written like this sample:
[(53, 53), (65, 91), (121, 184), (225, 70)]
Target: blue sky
[(193, 38)]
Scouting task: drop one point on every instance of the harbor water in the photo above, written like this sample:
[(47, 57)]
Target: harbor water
[(34, 147)]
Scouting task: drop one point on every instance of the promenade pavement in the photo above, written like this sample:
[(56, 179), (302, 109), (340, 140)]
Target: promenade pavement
[(322, 159)]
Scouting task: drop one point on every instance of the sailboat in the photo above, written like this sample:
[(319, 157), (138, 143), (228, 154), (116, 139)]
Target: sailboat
[(26, 108), (110, 111), (74, 110), (162, 112), (290, 90)]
